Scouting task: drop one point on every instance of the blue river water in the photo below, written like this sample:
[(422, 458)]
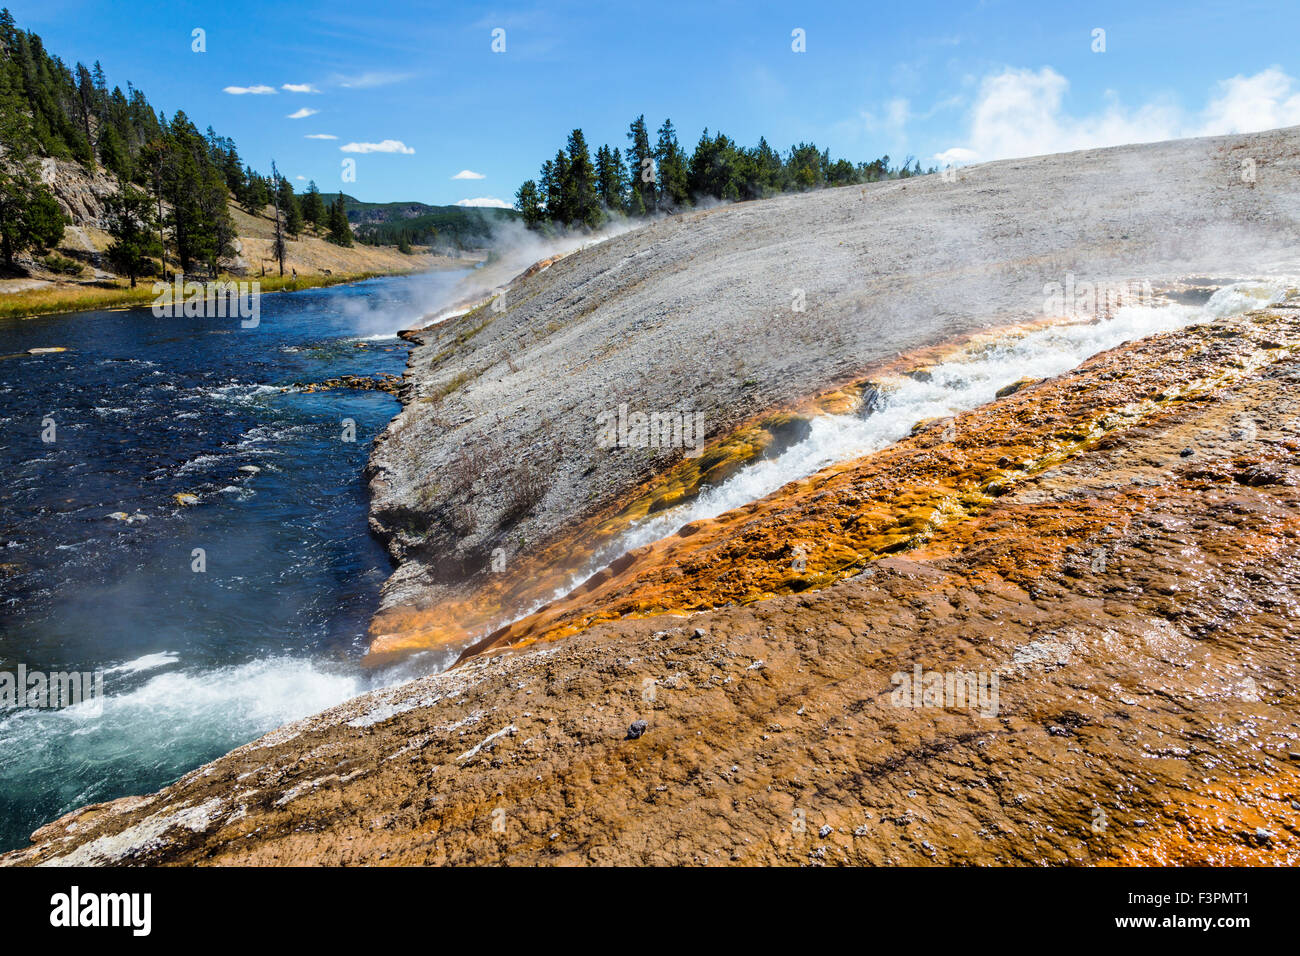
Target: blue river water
[(98, 558)]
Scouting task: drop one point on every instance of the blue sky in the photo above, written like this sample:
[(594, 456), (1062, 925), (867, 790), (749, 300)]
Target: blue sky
[(958, 81)]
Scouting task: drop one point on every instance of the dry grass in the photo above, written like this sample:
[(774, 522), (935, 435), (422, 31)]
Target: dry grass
[(524, 490), (74, 298), (119, 295)]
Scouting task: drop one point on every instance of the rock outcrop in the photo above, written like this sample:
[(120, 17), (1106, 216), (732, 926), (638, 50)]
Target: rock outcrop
[(79, 193)]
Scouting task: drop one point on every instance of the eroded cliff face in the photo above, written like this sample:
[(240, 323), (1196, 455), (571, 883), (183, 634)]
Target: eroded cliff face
[(737, 315), (80, 194), (1111, 556)]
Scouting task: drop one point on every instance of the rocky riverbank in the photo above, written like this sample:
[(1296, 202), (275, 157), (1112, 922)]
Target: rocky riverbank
[(391, 384)]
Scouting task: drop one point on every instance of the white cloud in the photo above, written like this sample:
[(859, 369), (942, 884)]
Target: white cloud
[(485, 201), (298, 88), (955, 155), (1018, 112), (468, 174), (1247, 104), (303, 178), (371, 79), (241, 90), (320, 136), (302, 113), (386, 146)]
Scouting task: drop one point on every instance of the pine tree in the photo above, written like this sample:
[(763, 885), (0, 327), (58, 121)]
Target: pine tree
[(157, 161), (114, 154), (30, 217), (278, 248), (766, 164), (256, 196), (643, 196), (313, 210), (611, 179), (674, 188), (715, 168), (85, 100), (580, 186), (289, 206), (529, 203), (340, 232), (216, 230), (130, 218), (803, 167), (620, 177), (185, 188), (555, 184)]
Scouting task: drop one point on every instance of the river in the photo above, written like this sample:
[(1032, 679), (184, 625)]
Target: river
[(212, 622)]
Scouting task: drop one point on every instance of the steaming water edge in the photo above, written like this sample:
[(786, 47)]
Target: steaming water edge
[(145, 408), (968, 379)]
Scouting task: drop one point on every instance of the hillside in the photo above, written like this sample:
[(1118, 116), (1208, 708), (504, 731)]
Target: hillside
[(311, 254), (79, 159), (82, 277)]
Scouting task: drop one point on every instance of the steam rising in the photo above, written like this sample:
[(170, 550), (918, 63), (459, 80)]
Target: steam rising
[(514, 249)]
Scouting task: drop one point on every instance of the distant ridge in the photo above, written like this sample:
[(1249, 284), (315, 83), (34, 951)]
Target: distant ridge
[(417, 223)]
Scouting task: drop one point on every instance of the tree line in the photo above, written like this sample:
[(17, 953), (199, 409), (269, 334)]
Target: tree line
[(448, 228), (174, 182), (575, 190), (30, 216)]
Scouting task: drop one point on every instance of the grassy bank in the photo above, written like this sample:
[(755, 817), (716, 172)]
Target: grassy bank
[(57, 299)]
